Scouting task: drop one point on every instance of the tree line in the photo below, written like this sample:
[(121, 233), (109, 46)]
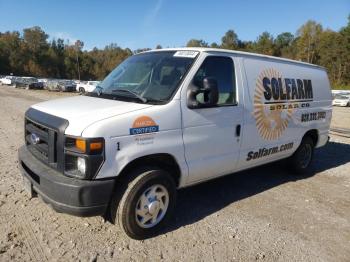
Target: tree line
[(30, 53)]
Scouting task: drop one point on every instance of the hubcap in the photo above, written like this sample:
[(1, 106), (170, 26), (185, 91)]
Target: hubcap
[(305, 155), (152, 206)]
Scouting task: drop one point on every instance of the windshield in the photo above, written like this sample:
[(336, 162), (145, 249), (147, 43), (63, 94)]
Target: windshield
[(342, 97), (148, 77)]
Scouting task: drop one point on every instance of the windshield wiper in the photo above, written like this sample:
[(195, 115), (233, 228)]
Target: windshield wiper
[(156, 101), (144, 100)]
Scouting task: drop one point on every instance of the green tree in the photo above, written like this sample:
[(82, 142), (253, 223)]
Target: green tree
[(197, 43), (332, 55), (57, 57), (265, 44), (36, 45), (308, 41), (247, 46), (230, 40), (214, 45), (78, 47), (283, 44), (35, 38), (345, 35), (70, 62), (11, 51)]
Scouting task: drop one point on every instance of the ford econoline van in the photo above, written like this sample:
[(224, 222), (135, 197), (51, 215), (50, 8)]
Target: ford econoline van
[(168, 119)]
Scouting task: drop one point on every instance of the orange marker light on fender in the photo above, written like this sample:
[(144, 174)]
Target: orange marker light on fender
[(95, 146), (81, 144)]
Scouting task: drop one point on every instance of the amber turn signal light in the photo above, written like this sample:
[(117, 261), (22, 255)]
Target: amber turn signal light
[(81, 145), (85, 147)]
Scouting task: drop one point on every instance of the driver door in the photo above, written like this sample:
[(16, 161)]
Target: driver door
[(212, 135)]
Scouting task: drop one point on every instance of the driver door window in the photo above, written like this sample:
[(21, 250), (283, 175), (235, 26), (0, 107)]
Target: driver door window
[(222, 69)]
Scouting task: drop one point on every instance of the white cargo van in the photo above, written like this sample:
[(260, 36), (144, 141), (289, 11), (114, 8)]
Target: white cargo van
[(168, 119)]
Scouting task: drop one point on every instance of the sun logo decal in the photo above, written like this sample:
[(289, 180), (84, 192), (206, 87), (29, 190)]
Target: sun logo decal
[(143, 125), (271, 117)]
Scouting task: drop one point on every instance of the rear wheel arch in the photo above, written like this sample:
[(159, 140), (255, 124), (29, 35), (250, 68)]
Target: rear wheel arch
[(313, 134), (301, 159)]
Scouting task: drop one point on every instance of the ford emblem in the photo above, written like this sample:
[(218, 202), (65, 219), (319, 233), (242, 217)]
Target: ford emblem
[(35, 139)]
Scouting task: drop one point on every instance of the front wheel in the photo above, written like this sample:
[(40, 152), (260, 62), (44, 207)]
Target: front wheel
[(302, 157), (147, 203)]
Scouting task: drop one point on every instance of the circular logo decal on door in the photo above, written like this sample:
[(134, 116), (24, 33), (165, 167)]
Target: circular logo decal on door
[(271, 113)]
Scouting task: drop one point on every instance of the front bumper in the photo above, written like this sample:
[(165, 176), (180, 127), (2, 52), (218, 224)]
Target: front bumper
[(340, 104), (64, 194)]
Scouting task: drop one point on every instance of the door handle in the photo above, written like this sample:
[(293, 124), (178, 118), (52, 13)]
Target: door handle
[(238, 130)]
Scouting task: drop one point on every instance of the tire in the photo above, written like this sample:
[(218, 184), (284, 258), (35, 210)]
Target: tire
[(126, 206), (81, 90), (302, 157)]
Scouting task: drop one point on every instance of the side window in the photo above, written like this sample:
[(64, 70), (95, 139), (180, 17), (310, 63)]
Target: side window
[(221, 68)]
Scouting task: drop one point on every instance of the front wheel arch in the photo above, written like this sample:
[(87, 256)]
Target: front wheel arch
[(162, 160)]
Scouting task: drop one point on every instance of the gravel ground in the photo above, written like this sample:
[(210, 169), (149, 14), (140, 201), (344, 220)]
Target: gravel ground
[(264, 214)]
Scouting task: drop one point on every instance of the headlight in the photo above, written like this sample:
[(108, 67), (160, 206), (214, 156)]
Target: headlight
[(83, 156)]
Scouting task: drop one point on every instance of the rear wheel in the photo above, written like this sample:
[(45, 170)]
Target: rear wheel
[(81, 90), (301, 159), (147, 203)]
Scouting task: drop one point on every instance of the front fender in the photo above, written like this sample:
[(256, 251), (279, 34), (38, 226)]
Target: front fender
[(120, 151)]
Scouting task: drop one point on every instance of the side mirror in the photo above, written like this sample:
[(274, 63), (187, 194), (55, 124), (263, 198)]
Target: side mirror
[(210, 93)]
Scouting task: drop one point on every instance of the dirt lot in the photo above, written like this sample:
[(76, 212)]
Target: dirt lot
[(263, 214)]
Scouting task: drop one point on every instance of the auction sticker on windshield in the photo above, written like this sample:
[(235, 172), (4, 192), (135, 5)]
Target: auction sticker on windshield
[(190, 54)]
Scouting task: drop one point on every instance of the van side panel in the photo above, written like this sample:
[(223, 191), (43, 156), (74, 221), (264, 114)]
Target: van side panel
[(283, 101)]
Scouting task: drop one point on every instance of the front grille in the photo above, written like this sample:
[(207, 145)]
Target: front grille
[(41, 141)]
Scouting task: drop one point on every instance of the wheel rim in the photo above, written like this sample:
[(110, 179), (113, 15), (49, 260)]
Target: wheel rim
[(152, 206), (305, 155)]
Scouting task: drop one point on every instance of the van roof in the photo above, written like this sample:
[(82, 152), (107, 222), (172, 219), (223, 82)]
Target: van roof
[(219, 50)]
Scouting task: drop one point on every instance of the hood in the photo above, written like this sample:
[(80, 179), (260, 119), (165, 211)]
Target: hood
[(342, 99), (82, 111)]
